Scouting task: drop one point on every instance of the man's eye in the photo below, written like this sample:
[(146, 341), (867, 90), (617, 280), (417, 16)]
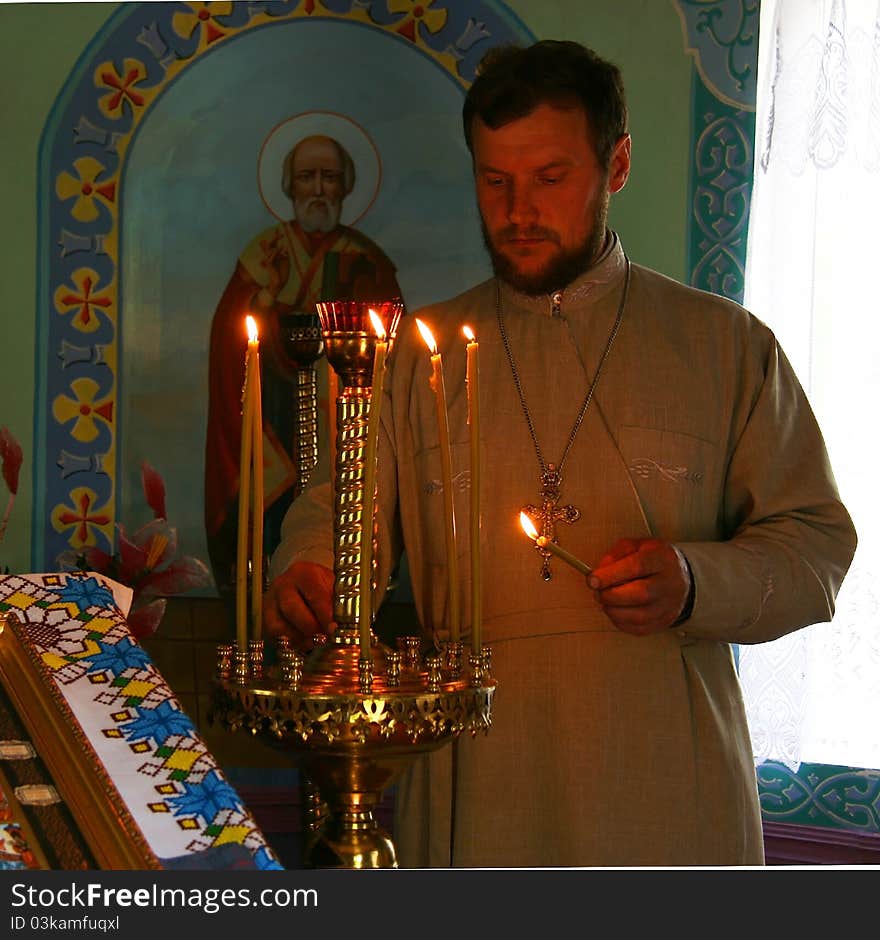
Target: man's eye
[(549, 180), (494, 181)]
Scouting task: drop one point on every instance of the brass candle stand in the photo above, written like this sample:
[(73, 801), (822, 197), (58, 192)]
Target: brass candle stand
[(303, 345), (354, 721)]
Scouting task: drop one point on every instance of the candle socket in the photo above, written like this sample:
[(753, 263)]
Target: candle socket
[(411, 647), (240, 666), (365, 675), (255, 658), (224, 660), (434, 661), (393, 658), (290, 667), (453, 651), (478, 669)]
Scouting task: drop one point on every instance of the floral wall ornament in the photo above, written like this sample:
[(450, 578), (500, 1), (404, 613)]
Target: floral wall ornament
[(88, 190), (147, 561), (84, 301), (84, 518), (82, 411), (722, 38)]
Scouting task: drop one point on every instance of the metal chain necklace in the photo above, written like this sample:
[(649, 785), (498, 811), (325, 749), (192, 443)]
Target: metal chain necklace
[(548, 512)]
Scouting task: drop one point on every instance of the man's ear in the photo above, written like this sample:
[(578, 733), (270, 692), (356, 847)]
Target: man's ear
[(618, 169)]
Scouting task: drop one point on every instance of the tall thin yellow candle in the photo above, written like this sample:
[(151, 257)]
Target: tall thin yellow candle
[(473, 398), (365, 609), (549, 545), (244, 500), (439, 388), (258, 500)]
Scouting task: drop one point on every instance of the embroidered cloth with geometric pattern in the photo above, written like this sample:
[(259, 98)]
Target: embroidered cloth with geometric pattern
[(123, 723)]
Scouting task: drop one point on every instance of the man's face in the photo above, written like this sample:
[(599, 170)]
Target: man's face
[(543, 197), (318, 185)]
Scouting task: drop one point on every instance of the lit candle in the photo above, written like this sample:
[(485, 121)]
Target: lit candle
[(473, 398), (244, 496), (543, 542), (365, 610), (258, 507), (446, 469)]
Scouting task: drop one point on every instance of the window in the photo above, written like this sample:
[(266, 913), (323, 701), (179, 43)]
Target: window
[(811, 275)]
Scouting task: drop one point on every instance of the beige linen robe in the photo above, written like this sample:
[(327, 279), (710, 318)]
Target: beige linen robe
[(606, 749)]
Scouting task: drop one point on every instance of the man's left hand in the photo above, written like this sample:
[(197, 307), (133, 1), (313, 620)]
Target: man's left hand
[(640, 585)]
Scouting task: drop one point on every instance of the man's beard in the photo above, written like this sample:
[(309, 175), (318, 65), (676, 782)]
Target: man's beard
[(317, 213), (560, 270)]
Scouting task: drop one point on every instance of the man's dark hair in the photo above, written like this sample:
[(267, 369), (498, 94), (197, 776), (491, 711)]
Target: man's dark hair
[(512, 81)]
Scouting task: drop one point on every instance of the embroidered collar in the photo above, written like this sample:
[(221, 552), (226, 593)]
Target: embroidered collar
[(589, 287)]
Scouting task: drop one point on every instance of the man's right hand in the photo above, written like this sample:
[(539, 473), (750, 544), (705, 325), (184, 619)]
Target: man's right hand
[(299, 603)]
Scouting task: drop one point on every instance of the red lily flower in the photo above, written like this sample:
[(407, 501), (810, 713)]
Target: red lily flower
[(11, 457), (146, 561)]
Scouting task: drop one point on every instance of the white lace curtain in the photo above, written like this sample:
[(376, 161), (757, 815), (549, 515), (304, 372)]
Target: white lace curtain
[(813, 275)]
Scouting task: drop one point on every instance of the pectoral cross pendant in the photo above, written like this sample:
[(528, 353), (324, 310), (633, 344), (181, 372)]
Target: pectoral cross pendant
[(549, 514)]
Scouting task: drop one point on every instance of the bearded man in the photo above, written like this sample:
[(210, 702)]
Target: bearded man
[(655, 431), (284, 270)]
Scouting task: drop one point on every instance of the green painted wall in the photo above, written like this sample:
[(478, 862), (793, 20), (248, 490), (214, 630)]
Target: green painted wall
[(40, 44), (644, 37)]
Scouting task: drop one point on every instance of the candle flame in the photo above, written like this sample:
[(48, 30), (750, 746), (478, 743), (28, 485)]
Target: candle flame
[(528, 526), (378, 326), (427, 336), (253, 333), (469, 333)]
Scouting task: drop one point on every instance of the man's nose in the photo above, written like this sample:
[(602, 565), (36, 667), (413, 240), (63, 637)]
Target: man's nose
[(318, 182), (521, 206)]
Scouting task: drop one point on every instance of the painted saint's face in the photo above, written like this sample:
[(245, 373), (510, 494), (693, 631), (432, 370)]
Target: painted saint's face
[(318, 185)]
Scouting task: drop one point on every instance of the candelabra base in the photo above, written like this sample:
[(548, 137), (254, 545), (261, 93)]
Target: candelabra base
[(341, 827), (354, 736), (364, 845)]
